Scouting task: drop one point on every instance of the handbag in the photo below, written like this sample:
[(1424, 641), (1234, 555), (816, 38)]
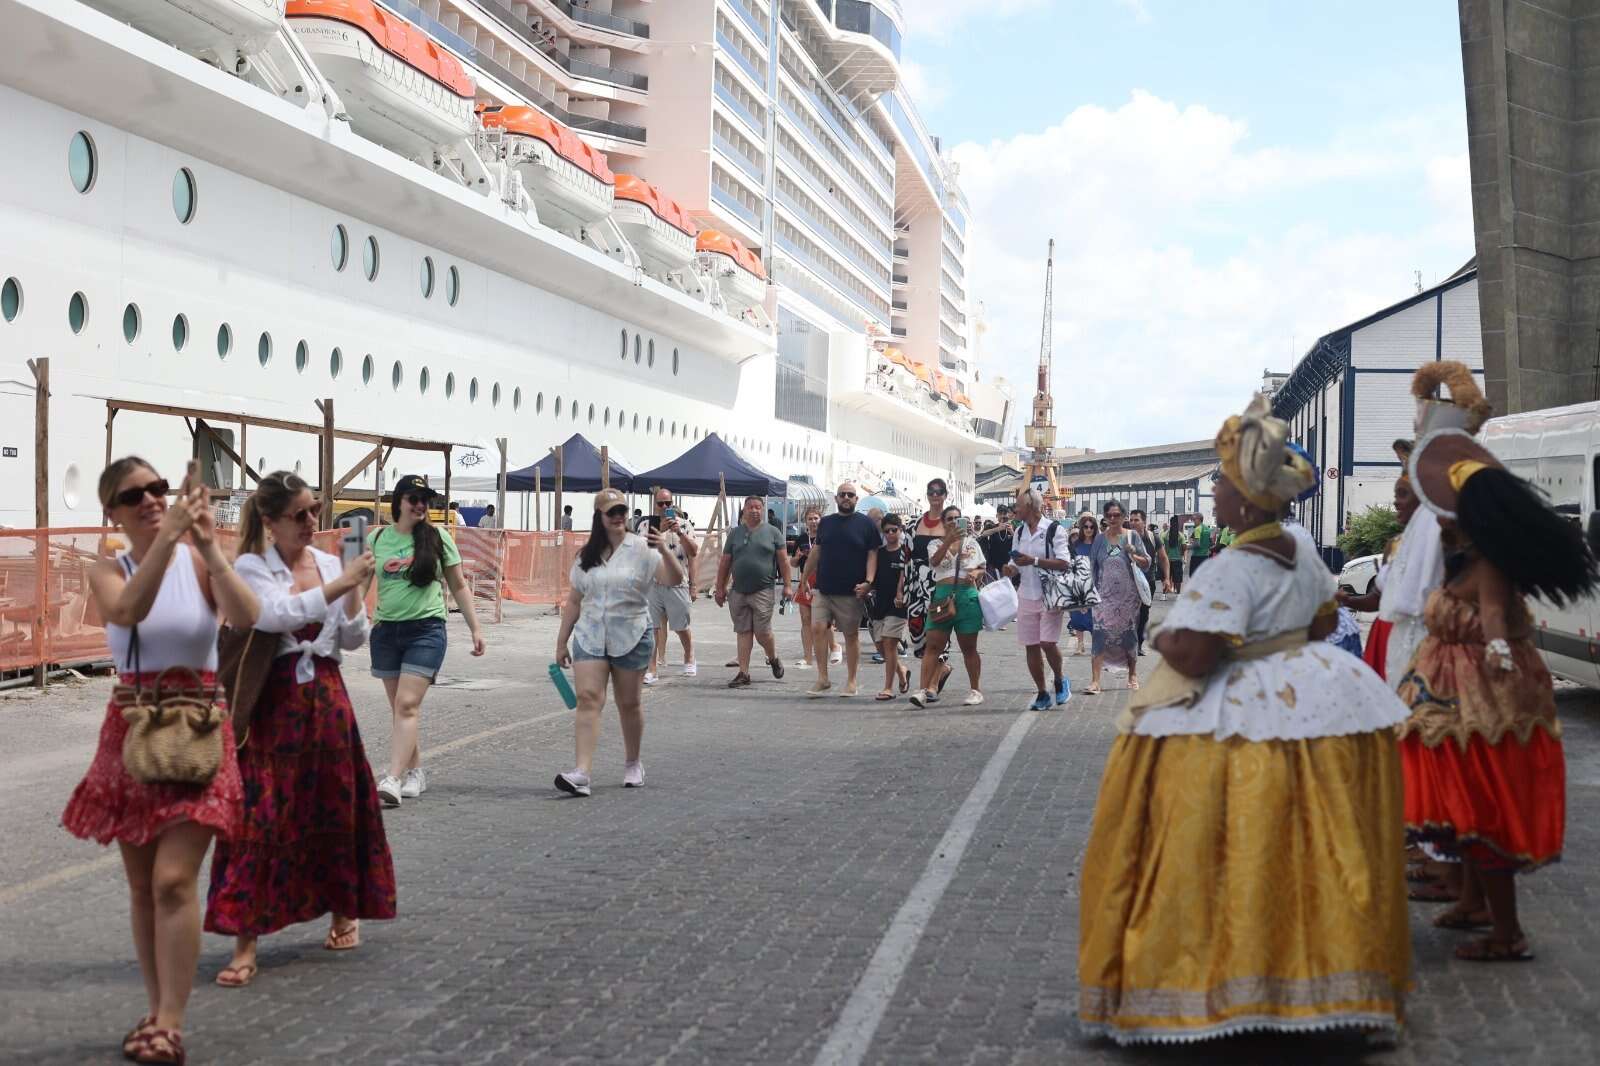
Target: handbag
[(1079, 583), (244, 664), (945, 609), (998, 599), (174, 735), (1054, 584)]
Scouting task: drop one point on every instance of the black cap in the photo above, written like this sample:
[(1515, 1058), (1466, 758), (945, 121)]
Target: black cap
[(413, 483)]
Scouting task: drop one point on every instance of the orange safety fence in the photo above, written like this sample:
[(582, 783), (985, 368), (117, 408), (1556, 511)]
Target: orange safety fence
[(536, 566)]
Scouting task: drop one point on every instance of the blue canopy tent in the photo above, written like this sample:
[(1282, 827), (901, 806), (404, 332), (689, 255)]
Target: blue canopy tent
[(708, 469), (580, 471)]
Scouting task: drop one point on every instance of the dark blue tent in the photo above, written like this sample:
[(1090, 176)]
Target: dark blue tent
[(701, 471), (580, 470)]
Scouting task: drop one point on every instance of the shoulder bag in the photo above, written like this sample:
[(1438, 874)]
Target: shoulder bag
[(243, 664), (945, 609), (1055, 584)]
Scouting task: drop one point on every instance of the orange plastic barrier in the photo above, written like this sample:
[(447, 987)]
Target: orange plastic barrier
[(535, 566)]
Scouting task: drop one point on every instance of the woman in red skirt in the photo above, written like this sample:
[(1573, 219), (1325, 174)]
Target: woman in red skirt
[(312, 841), (1485, 776), (167, 587)]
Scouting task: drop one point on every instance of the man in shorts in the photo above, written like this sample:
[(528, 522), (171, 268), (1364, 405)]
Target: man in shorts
[(845, 561), (753, 554), (1039, 545), (669, 605)]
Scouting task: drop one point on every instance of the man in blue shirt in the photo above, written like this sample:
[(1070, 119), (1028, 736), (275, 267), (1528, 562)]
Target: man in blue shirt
[(845, 561)]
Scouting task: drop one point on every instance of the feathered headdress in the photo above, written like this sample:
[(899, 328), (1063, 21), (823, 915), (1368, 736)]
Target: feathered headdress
[(1465, 407)]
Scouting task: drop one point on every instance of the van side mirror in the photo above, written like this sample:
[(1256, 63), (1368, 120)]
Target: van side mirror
[(1592, 534)]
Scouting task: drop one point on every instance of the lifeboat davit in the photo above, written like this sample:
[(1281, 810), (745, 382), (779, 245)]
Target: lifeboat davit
[(571, 183), (217, 27), (739, 273), (400, 87), (655, 224)]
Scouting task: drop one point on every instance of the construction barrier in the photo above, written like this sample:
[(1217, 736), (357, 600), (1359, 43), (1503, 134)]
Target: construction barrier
[(536, 567)]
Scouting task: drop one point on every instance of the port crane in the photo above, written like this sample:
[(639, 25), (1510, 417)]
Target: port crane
[(1040, 435)]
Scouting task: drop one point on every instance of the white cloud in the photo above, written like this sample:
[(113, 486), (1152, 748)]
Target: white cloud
[(1140, 12), (938, 19), (923, 85), (1189, 260)]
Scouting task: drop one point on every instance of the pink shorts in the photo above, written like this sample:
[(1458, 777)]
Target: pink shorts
[(1035, 625)]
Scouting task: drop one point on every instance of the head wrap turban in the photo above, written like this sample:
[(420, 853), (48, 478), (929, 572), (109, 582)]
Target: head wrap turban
[(1257, 459)]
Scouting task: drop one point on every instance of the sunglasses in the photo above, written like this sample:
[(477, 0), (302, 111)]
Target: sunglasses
[(305, 514), (663, 503), (617, 512), (134, 496), (847, 495), (937, 492), (415, 500)]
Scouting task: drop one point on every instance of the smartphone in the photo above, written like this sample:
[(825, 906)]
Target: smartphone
[(655, 521), (191, 476), (354, 541), (1016, 555), (670, 512), (961, 524)]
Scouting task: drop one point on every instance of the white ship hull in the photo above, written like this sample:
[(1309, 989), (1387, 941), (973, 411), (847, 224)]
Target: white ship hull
[(742, 291), (664, 248), (210, 27)]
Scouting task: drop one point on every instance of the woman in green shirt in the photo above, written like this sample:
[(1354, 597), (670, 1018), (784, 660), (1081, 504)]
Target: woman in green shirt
[(1174, 550), (415, 560)]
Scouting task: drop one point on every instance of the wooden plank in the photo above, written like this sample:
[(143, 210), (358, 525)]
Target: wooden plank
[(203, 426), (276, 423), (605, 466), (325, 474), (556, 512), (355, 471), (41, 441), (500, 492), (111, 417)]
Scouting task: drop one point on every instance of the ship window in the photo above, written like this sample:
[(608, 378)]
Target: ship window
[(366, 369), (575, 410), (608, 416), (77, 312), (339, 247), (674, 362), (264, 349), (397, 376), (224, 340), (591, 414), (638, 349), (81, 161), (11, 299), (649, 424), (427, 277), (494, 395), (622, 419), (652, 353), (424, 379), (452, 286), (472, 391), (183, 194), (449, 384), (624, 345), (635, 422), (558, 407), (335, 362), (369, 258), (180, 333), (130, 323), (516, 398), (302, 356), (538, 404)]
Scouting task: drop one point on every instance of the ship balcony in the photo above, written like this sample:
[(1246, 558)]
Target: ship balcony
[(901, 253), (858, 42), (889, 392), (900, 279), (899, 306), (603, 20)]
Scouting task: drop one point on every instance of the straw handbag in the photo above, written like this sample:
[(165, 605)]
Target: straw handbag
[(174, 730)]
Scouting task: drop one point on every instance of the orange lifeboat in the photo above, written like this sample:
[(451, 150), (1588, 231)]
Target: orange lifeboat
[(571, 182), (220, 28), (400, 86), (657, 225), (738, 270)]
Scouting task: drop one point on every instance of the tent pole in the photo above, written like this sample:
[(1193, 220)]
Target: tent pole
[(538, 500), (605, 466), (557, 513), (500, 489)]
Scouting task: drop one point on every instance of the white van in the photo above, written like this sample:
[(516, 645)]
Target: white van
[(1558, 449)]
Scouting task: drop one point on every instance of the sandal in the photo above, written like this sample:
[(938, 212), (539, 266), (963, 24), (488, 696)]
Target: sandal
[(135, 1037), (1092, 690), (1456, 918), (346, 939), (243, 974), (1490, 950), (1432, 892), (1133, 683), (1418, 875), (885, 696), (905, 680), (161, 1045), (948, 670)]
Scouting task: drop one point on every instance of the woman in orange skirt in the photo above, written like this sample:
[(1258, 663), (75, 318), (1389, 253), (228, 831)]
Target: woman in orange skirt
[(1485, 777)]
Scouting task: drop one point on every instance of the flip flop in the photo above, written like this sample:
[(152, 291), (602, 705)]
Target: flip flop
[(1455, 919), (135, 1037), (885, 696), (347, 939), (1432, 892), (243, 975), (1486, 950), (944, 677), (905, 681)]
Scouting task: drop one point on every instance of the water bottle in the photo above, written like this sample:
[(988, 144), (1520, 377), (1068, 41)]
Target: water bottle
[(563, 686)]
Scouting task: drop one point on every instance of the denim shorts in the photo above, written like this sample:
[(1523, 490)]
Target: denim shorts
[(415, 647), (637, 659)]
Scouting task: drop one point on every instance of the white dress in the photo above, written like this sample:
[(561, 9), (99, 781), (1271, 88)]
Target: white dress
[(1406, 583), (1316, 690)]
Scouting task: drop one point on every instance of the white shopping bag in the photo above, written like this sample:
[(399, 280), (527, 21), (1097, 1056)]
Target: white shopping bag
[(999, 602)]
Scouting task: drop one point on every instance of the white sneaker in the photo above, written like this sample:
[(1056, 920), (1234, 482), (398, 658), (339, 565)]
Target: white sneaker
[(835, 658), (633, 775), (415, 783), (650, 677), (575, 782), (973, 699), (691, 669), (389, 790)]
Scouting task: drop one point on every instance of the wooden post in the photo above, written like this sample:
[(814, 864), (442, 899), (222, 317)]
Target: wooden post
[(111, 417), (500, 489), (605, 466), (556, 513), (244, 455), (325, 475), (538, 501), (447, 465), (41, 441)]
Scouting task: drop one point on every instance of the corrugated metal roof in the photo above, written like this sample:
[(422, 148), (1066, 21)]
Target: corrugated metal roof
[(1134, 453), (1150, 475)]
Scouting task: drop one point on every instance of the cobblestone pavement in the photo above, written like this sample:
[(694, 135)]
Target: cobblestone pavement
[(723, 914)]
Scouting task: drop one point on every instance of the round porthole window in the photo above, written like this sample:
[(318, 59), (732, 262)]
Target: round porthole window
[(472, 391), (264, 349), (649, 424), (558, 407), (538, 404), (674, 362), (397, 376), (72, 486), (494, 394), (78, 312), (574, 410), (427, 277), (366, 369), (369, 258), (339, 247), (452, 286), (424, 379), (335, 362), (449, 384), (652, 360), (180, 333), (183, 195), (11, 299), (130, 323), (516, 398), (224, 340), (591, 414), (607, 417), (636, 423), (624, 344), (82, 161), (302, 356), (638, 350)]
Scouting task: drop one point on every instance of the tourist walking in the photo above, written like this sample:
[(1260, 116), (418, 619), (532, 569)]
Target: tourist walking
[(805, 588), (1243, 869), (1116, 555), (1081, 541), (1039, 545), (956, 561), (1172, 545), (1154, 571), (415, 560), (752, 558), (845, 561), (312, 839), (886, 606), (670, 604), (160, 600), (566, 517), (996, 540), (606, 619), (1201, 544)]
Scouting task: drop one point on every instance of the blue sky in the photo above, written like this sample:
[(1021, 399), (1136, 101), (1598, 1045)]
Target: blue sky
[(1225, 181)]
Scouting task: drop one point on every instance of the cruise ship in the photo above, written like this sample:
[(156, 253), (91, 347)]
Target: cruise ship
[(464, 220)]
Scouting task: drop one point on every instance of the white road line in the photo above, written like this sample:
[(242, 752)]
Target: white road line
[(12, 893), (852, 1034)]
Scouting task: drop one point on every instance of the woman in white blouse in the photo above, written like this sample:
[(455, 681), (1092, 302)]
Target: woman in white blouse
[(313, 840), (607, 613), (957, 562)]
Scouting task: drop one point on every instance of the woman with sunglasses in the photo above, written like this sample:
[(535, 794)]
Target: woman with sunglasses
[(608, 611), (957, 562), (160, 600), (312, 842), (415, 560), (1116, 553), (1081, 542), (928, 531)]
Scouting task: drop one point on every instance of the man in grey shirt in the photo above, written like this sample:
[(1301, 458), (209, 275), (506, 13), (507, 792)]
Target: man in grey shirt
[(753, 554)]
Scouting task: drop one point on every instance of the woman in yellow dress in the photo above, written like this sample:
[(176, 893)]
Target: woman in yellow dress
[(1245, 866)]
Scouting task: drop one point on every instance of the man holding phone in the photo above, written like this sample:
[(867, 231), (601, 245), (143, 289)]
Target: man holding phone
[(669, 605)]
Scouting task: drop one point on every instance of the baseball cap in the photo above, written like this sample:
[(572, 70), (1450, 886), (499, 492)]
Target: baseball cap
[(412, 483), (606, 499)]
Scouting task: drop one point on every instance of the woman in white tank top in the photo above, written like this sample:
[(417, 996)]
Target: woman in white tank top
[(169, 584)]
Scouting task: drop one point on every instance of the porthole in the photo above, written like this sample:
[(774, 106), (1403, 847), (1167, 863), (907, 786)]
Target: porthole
[(427, 277), (366, 369), (302, 356), (558, 407), (183, 195), (638, 350), (472, 391), (649, 424), (606, 416), (339, 247), (538, 404), (574, 410), (424, 379), (449, 384), (82, 161), (224, 340), (130, 323), (264, 349), (180, 332), (591, 414), (636, 422), (369, 258), (624, 345), (452, 286), (397, 376), (494, 395), (674, 362), (675, 431), (335, 362), (622, 419), (516, 398), (652, 360), (11, 299), (78, 312)]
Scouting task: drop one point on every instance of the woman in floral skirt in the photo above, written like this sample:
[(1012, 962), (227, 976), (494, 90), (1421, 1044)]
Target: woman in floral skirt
[(312, 841), (167, 587)]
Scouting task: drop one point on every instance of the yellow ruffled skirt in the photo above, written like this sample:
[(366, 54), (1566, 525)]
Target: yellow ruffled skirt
[(1235, 885)]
